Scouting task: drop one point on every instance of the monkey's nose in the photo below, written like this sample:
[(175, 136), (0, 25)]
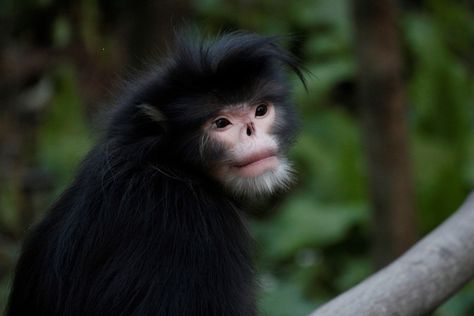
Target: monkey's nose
[(250, 129)]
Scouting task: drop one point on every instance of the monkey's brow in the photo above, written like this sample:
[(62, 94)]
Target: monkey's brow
[(232, 108)]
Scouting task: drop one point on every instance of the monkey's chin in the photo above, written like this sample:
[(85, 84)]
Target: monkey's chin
[(259, 180)]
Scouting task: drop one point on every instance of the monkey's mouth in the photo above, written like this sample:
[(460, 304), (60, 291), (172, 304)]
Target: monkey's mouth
[(257, 164)]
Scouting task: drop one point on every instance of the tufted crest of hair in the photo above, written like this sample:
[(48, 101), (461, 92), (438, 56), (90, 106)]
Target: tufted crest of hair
[(202, 75), (235, 68)]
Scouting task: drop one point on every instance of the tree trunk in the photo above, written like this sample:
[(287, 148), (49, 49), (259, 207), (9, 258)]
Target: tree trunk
[(382, 105)]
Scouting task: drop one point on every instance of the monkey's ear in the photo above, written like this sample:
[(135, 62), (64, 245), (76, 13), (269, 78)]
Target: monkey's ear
[(152, 112)]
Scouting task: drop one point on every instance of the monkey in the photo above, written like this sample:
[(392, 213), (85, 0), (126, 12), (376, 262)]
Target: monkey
[(154, 221)]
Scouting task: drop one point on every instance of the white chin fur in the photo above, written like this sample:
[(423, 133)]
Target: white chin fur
[(266, 184)]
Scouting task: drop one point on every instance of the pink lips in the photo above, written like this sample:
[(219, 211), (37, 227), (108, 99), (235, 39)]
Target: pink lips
[(256, 164), (255, 158)]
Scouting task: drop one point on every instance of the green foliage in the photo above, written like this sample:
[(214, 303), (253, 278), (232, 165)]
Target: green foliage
[(64, 136), (302, 223), (282, 298), (331, 157), (441, 97), (61, 32), (461, 304)]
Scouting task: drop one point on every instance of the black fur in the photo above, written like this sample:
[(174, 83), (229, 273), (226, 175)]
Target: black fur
[(143, 229)]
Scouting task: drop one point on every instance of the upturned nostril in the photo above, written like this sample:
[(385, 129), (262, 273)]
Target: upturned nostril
[(249, 131)]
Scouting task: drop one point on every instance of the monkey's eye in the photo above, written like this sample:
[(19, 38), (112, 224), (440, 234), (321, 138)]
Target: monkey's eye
[(261, 110), (221, 122)]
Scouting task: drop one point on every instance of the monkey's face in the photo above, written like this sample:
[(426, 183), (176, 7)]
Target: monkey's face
[(249, 160)]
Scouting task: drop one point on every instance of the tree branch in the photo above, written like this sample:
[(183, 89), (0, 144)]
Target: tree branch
[(420, 280)]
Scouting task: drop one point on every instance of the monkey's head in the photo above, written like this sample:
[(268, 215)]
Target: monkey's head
[(221, 107)]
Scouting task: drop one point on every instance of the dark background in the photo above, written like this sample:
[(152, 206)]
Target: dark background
[(386, 151)]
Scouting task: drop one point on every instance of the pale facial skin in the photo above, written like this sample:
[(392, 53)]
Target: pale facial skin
[(245, 131), (251, 164)]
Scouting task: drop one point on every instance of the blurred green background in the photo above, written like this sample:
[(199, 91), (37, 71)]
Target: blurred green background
[(62, 62)]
